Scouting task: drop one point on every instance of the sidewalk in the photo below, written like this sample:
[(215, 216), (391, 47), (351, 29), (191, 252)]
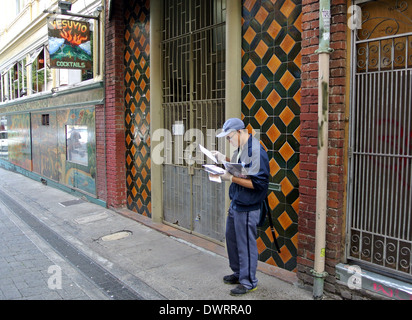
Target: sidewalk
[(154, 260)]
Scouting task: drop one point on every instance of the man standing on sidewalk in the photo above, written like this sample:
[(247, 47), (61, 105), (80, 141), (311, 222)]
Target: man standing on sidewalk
[(247, 194)]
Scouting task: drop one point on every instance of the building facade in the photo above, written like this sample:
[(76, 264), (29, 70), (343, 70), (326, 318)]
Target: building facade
[(174, 70), (48, 114), (172, 56)]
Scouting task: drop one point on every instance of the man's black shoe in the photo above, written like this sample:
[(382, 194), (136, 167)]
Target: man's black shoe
[(240, 290), (231, 279)]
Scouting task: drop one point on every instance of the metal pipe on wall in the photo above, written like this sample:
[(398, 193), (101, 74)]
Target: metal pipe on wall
[(322, 158)]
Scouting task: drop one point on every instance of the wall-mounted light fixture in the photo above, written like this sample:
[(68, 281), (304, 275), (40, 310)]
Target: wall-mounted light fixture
[(64, 6)]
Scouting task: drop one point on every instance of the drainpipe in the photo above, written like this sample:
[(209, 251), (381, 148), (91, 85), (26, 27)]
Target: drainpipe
[(322, 159)]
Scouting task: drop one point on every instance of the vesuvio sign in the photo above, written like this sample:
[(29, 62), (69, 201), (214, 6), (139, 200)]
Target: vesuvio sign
[(69, 44)]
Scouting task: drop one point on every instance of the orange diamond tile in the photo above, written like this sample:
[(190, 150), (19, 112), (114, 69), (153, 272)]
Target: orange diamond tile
[(128, 119), (249, 68), (286, 186), (271, 261), (286, 151), (127, 77), (274, 167), (250, 129), (296, 134), (295, 240), (261, 49), (132, 108), (142, 85), (132, 44), (249, 35), (144, 195), (139, 183), (285, 254), (249, 100), (298, 23), (261, 15), (132, 87), (287, 80), (261, 82), (268, 232), (134, 171), (133, 150), (274, 98), (248, 4), (273, 200), (274, 63), (273, 133), (261, 116), (137, 74), (128, 140), (287, 116), (297, 97), (127, 56), (295, 205), (296, 170), (287, 8), (274, 29), (260, 245), (285, 221), (144, 172), (127, 98), (287, 43)]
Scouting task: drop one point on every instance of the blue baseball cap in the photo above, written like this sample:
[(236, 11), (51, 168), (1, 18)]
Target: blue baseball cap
[(232, 124)]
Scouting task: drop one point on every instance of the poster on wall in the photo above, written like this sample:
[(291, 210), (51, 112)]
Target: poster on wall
[(76, 144), (69, 44)]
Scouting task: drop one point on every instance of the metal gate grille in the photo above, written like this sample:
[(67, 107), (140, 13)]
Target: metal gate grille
[(193, 49), (380, 182)]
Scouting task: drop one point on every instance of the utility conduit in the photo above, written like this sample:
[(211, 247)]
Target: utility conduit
[(322, 158)]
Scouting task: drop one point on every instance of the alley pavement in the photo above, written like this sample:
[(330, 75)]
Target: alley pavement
[(56, 246)]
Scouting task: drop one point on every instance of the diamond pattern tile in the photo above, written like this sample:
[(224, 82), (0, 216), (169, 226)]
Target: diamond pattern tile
[(271, 63), (137, 100)]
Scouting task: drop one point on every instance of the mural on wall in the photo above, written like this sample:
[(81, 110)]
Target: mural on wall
[(19, 145), (64, 148), (79, 169), (44, 139)]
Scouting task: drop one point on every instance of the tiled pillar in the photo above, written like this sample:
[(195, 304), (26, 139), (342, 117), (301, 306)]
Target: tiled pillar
[(271, 83)]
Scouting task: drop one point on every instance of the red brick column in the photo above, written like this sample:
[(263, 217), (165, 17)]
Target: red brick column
[(114, 115), (308, 149), (101, 188)]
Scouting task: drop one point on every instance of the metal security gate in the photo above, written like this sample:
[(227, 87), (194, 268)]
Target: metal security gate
[(193, 56), (380, 154)]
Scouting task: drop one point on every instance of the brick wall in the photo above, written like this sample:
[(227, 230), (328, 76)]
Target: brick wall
[(100, 153), (114, 116), (308, 149)]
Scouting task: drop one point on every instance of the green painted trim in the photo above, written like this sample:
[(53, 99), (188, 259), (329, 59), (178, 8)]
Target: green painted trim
[(51, 183), (49, 95)]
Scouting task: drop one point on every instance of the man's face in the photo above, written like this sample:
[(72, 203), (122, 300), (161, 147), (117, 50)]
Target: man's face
[(233, 138)]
